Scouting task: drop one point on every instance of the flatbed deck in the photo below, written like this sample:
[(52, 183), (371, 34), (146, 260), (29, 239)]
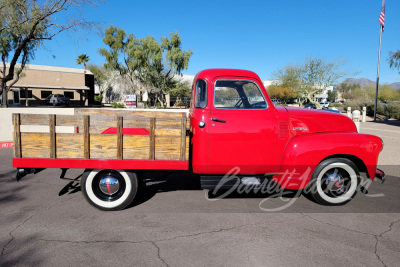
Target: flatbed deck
[(102, 139)]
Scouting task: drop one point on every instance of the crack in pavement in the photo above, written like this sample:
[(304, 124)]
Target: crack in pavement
[(25, 221), (376, 236), (159, 255), (154, 242), (380, 236)]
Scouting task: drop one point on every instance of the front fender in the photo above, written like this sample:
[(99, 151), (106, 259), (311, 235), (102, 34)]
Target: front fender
[(303, 153)]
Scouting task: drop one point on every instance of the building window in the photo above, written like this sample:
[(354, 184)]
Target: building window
[(22, 93), (70, 95), (45, 94)]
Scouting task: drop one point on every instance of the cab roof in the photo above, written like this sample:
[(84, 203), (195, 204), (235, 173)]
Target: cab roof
[(211, 74)]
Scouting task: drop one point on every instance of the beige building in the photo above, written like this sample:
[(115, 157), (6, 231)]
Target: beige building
[(38, 82)]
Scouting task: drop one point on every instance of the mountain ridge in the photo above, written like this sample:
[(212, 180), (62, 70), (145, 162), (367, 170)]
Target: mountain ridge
[(364, 82)]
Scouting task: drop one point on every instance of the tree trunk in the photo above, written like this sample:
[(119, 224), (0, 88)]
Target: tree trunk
[(26, 97), (311, 97), (5, 94)]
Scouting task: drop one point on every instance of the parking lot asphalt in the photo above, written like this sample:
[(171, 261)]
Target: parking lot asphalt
[(45, 221)]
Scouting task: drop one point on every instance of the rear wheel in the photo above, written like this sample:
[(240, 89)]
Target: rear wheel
[(109, 189), (334, 182)]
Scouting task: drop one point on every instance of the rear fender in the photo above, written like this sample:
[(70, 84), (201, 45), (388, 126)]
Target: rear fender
[(303, 153)]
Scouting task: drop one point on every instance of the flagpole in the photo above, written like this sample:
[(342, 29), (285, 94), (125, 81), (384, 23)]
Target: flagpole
[(377, 72), (377, 75)]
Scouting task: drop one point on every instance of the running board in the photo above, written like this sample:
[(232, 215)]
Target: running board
[(222, 182)]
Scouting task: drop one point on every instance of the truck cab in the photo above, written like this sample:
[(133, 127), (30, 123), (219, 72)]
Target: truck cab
[(236, 128)]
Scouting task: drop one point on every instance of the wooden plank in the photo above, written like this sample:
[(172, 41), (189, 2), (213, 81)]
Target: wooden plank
[(69, 146), (34, 119), (187, 147), (152, 145), (103, 121), (35, 145), (183, 139), (168, 124), (136, 146), (167, 148), (136, 122), (86, 138), (168, 132), (103, 146), (69, 120), (119, 138), (126, 112), (17, 135), (52, 127)]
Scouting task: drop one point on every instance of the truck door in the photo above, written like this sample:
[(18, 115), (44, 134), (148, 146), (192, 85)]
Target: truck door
[(243, 129)]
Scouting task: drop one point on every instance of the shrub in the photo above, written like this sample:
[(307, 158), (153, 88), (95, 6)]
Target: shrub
[(355, 104), (392, 110), (98, 98), (117, 105), (379, 110), (336, 105)]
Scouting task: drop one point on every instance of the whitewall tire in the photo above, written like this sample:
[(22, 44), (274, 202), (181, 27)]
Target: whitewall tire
[(334, 182), (109, 189)]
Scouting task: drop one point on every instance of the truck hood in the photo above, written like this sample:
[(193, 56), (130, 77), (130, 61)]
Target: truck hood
[(305, 121)]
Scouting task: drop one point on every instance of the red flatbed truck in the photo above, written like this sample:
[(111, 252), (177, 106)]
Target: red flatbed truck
[(232, 127)]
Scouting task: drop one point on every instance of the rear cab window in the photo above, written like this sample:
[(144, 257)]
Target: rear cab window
[(200, 94)]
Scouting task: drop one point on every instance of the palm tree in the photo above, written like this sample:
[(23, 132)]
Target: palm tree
[(82, 59)]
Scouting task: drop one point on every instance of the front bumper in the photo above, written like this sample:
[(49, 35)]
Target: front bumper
[(380, 175)]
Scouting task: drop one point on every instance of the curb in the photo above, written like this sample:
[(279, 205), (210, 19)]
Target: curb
[(6, 144)]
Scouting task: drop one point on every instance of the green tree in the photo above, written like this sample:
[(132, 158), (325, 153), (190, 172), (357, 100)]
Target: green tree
[(385, 93), (82, 59), (104, 78), (332, 96), (394, 59), (347, 87), (311, 77), (145, 59), (26, 24), (282, 93)]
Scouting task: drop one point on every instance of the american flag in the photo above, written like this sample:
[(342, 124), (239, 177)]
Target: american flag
[(382, 17)]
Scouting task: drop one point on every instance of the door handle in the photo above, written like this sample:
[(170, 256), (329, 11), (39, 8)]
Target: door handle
[(218, 120)]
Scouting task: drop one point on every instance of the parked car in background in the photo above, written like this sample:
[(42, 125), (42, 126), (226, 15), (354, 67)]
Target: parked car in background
[(310, 106), (57, 100), (324, 104), (275, 101)]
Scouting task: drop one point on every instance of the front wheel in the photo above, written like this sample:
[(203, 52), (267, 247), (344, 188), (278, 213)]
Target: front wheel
[(109, 189), (334, 182)]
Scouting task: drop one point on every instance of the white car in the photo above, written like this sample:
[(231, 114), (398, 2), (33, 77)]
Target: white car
[(324, 104), (57, 100)]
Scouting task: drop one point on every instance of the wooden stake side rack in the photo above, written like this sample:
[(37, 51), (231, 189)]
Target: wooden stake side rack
[(160, 136)]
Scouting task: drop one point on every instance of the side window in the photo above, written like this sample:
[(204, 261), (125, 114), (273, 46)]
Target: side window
[(238, 94), (70, 95), (201, 94), (45, 94)]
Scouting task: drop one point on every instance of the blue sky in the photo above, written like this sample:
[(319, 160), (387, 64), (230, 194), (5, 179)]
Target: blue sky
[(261, 36)]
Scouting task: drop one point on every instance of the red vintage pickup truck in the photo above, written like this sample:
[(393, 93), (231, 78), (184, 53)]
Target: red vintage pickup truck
[(235, 131)]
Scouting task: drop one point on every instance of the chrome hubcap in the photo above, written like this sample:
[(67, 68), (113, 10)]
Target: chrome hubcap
[(109, 185)]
